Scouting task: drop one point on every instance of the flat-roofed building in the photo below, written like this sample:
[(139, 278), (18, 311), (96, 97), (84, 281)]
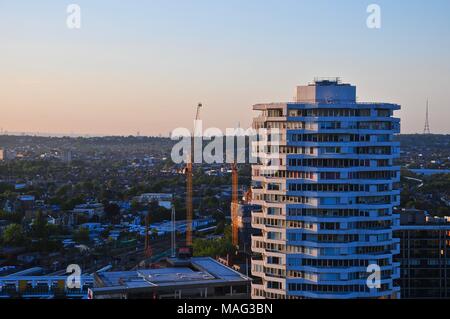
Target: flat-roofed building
[(194, 278), (424, 255)]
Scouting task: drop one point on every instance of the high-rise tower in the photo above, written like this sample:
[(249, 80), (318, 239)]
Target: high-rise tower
[(327, 208)]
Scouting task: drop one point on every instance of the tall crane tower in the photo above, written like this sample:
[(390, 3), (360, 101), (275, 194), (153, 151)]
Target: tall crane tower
[(173, 235), (147, 248), (188, 172), (427, 129), (234, 205)]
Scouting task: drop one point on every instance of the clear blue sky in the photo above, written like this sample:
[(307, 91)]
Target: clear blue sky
[(143, 65)]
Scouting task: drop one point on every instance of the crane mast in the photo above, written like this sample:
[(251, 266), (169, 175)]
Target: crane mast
[(234, 205), (189, 176), (147, 248)]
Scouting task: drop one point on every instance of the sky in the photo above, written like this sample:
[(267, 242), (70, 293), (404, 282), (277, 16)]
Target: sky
[(142, 66)]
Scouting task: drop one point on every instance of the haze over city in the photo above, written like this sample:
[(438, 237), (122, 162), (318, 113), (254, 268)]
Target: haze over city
[(136, 66)]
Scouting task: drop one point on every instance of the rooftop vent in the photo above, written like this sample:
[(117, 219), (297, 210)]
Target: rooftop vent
[(324, 81)]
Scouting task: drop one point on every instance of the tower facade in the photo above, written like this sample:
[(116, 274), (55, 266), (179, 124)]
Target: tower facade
[(327, 206)]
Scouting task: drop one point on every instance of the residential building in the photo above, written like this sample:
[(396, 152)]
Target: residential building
[(90, 210), (327, 185), (424, 255)]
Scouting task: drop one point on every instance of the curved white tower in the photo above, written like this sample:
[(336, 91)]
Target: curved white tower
[(327, 208)]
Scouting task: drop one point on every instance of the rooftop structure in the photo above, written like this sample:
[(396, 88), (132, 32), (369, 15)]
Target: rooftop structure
[(198, 277), (326, 90), (163, 199)]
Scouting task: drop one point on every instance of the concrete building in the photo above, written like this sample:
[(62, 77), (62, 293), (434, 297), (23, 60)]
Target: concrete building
[(90, 210), (327, 187), (6, 154), (164, 200), (26, 285), (424, 255), (66, 156), (195, 278)]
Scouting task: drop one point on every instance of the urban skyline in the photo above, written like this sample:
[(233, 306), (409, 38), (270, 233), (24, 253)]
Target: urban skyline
[(224, 150)]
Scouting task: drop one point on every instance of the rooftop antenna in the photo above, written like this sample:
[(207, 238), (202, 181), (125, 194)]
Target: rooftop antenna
[(427, 130)]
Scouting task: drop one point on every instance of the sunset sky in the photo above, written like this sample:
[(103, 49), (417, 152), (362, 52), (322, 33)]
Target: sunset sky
[(144, 65)]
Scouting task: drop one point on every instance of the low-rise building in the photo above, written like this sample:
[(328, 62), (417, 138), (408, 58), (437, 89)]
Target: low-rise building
[(163, 199), (31, 286), (90, 210), (195, 278)]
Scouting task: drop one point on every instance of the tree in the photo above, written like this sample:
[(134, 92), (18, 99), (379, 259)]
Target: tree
[(40, 226), (135, 206), (215, 247), (15, 217), (13, 235), (112, 212), (81, 235)]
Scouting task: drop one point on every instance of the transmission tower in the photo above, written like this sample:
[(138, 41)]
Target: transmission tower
[(427, 130)]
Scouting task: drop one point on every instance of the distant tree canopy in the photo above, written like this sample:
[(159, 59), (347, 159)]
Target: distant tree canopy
[(112, 212), (13, 235), (429, 196), (39, 227), (214, 247), (81, 235), (15, 217)]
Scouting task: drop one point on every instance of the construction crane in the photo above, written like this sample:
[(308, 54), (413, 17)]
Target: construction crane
[(147, 248), (173, 235), (248, 196), (188, 172), (234, 205)]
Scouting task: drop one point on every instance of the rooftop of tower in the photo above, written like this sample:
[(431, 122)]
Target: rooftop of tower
[(328, 81), (326, 90)]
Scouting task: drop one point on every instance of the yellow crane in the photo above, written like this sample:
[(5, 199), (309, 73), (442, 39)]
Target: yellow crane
[(234, 205), (188, 172)]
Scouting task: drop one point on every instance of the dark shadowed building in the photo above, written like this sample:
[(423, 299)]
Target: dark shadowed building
[(424, 255)]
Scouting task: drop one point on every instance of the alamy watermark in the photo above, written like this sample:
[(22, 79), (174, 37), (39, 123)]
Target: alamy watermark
[(73, 281), (374, 279), (73, 20), (374, 19), (213, 146)]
